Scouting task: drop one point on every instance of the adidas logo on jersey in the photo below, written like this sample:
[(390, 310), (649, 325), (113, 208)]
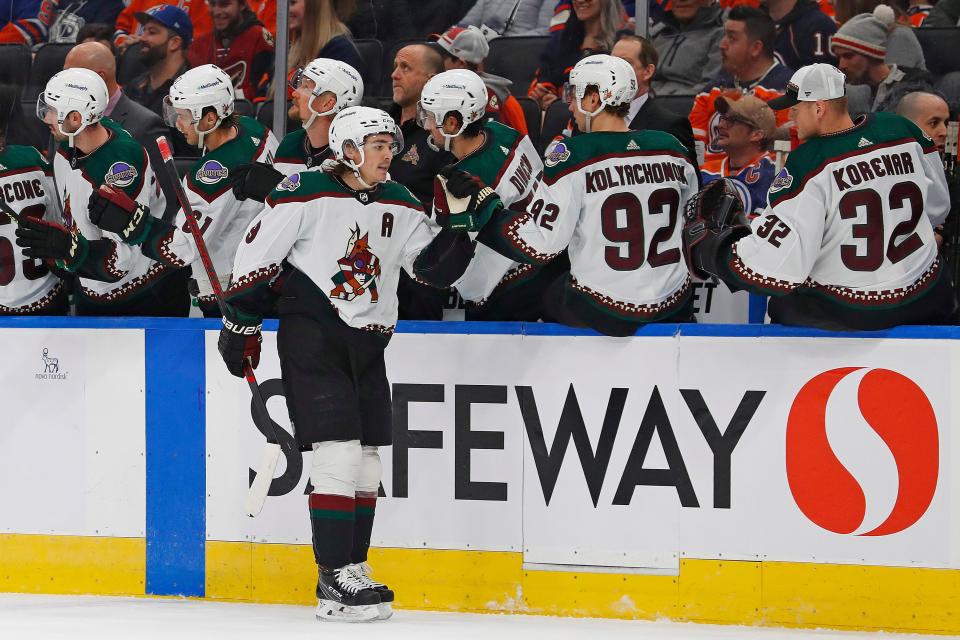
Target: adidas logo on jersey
[(506, 151), (633, 146), (864, 143)]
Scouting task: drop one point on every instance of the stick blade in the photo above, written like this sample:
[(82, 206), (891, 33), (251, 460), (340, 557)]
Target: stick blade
[(257, 494)]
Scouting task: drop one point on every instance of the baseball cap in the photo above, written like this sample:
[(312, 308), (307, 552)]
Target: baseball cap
[(819, 81), (173, 18), (751, 111), (466, 43)]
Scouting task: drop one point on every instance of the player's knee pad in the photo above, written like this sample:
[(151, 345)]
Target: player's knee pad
[(370, 471), (335, 467)]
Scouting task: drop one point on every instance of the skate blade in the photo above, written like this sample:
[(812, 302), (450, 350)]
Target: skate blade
[(384, 611), (330, 611)]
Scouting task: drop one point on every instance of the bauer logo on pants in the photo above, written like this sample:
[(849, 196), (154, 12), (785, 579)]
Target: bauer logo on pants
[(842, 423), (120, 174)]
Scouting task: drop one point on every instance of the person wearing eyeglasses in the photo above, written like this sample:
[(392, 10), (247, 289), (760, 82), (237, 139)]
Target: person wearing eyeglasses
[(240, 45)]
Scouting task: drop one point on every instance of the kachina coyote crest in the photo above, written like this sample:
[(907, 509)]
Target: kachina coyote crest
[(359, 270)]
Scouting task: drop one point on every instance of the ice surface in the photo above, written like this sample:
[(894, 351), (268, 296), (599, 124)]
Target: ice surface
[(84, 617)]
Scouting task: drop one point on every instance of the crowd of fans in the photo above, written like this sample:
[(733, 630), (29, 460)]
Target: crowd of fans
[(729, 57)]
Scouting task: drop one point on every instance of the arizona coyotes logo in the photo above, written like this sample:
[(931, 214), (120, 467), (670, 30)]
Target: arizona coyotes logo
[(359, 270)]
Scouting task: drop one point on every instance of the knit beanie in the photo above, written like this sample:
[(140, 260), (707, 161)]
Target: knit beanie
[(866, 33)]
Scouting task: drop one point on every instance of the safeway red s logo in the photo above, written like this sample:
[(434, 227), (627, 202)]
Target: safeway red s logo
[(900, 413)]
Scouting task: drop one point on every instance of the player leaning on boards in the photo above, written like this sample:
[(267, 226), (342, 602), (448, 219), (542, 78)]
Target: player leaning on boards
[(452, 108), (322, 89), (613, 197), (27, 285), (345, 233), (114, 279), (847, 239)]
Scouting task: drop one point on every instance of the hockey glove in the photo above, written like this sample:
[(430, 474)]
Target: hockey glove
[(51, 241), (254, 181), (240, 340), (715, 220), (114, 211), (461, 201)]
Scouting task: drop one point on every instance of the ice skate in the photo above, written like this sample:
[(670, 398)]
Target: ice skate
[(345, 597), (385, 608)]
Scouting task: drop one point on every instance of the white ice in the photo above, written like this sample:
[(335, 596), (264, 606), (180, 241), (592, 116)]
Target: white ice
[(83, 617)]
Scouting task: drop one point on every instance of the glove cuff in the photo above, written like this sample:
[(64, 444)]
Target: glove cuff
[(78, 255)]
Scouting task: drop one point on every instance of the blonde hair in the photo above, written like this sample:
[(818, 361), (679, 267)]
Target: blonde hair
[(322, 22)]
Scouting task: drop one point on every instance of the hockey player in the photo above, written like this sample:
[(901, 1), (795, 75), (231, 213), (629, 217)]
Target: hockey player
[(321, 90), (346, 234), (847, 239), (200, 106), (614, 196), (27, 285), (113, 278), (452, 108)]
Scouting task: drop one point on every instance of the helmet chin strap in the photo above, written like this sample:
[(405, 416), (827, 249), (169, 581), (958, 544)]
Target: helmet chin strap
[(314, 114), (203, 134), (356, 171)]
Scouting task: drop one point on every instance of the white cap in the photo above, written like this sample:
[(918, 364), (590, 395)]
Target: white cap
[(814, 82)]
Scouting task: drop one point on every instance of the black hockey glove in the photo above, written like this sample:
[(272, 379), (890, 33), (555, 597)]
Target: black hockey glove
[(461, 201), (114, 211), (240, 340), (715, 219), (254, 181), (51, 241)]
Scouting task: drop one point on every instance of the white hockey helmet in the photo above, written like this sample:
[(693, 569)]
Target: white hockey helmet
[(613, 77), (337, 77), (352, 126), (70, 90), (459, 90), (197, 89)]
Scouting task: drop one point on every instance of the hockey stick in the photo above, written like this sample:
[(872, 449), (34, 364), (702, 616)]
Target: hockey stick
[(258, 491)]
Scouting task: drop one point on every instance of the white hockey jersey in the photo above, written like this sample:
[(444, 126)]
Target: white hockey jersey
[(615, 201), (850, 218), (351, 245), (222, 218), (26, 185), (295, 154), (121, 162), (508, 163)]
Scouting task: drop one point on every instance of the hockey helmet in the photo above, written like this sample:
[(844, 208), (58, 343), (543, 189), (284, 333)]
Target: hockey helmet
[(337, 77), (197, 89), (351, 128), (70, 90), (613, 77), (458, 91)]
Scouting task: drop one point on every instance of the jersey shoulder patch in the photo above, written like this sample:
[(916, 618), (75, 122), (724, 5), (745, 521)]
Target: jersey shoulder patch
[(121, 162)]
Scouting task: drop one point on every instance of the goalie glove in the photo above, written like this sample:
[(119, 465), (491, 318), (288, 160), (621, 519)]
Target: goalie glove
[(51, 241), (254, 181), (240, 340), (114, 211), (461, 201), (715, 219)]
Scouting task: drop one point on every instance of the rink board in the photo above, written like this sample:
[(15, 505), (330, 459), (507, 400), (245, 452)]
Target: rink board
[(744, 474)]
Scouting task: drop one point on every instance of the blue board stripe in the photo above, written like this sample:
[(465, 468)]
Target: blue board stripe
[(176, 462)]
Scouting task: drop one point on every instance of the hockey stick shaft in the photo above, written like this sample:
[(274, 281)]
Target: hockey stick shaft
[(256, 498)]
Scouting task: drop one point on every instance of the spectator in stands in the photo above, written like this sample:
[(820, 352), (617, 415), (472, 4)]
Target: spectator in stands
[(928, 111), (591, 28), (688, 41), (513, 17), (94, 32), (745, 131), (467, 48), (946, 13), (240, 45), (903, 47), (433, 16), (383, 20), (918, 11), (749, 66), (861, 47), (167, 33), (25, 22), (803, 32), (128, 30), (417, 163), (317, 30), (72, 15)]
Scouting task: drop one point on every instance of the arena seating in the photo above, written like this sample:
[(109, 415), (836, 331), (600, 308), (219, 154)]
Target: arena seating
[(47, 61), (516, 59), (371, 51), (940, 49), (14, 64), (533, 116)]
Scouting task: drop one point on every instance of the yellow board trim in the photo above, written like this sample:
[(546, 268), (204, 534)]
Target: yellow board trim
[(782, 594), (72, 564)]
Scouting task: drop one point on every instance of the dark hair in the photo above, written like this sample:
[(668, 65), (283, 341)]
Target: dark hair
[(474, 128), (472, 66), (620, 110), (98, 31), (231, 120), (648, 53), (758, 25)]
